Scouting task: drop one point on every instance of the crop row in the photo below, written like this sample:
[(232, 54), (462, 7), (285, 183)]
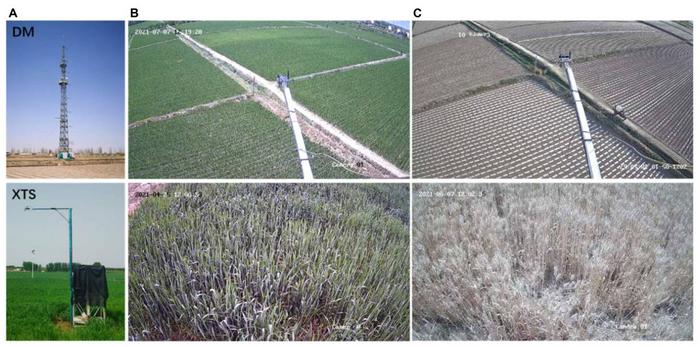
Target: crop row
[(370, 104), (269, 52), (240, 140), (270, 262), (209, 27), (518, 31), (148, 33), (171, 76), (586, 46), (519, 130), (360, 31), (655, 86), (445, 65)]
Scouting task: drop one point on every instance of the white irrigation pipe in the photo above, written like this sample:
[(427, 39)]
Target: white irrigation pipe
[(593, 168), (301, 147)]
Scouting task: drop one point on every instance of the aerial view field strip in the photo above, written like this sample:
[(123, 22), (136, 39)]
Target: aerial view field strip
[(352, 86), (493, 99)]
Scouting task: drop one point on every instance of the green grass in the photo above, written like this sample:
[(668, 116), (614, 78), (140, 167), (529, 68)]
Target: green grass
[(209, 27), (269, 52), (364, 32), (34, 305), (270, 262), (370, 104), (171, 76), (233, 140)]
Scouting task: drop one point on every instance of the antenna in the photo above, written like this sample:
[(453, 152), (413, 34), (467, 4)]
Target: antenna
[(64, 151)]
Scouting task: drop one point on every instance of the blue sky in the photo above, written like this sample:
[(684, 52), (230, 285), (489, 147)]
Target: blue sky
[(98, 224), (95, 55)]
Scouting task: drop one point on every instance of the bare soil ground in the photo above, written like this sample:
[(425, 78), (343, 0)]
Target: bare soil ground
[(67, 171), (14, 160)]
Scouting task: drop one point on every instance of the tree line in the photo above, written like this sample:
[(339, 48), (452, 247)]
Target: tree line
[(50, 267)]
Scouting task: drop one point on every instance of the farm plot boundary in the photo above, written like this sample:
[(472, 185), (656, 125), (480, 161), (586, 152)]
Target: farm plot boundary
[(354, 153), (649, 145), (157, 74), (231, 140), (300, 50), (188, 110)]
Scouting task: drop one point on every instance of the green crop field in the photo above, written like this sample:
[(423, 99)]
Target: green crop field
[(270, 262), (38, 309), (149, 33), (142, 41), (370, 104), (143, 26), (170, 76), (209, 27), (361, 31), (233, 140), (269, 52)]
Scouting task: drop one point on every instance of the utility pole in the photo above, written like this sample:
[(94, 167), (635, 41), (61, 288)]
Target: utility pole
[(33, 259), (593, 169), (70, 246)]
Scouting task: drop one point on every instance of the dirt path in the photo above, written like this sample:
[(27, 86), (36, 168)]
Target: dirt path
[(313, 126), (186, 111), (70, 171), (349, 67)]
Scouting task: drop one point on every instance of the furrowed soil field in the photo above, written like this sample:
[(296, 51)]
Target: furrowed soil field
[(585, 39), (269, 52), (170, 76), (38, 309), (639, 66), (552, 262), (270, 262), (473, 117), (481, 136), (233, 140), (654, 85), (445, 65), (370, 104)]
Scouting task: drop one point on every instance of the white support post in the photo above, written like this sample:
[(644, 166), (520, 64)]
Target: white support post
[(593, 168), (301, 148)]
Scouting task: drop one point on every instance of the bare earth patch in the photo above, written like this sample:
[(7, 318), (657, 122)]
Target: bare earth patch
[(70, 171)]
